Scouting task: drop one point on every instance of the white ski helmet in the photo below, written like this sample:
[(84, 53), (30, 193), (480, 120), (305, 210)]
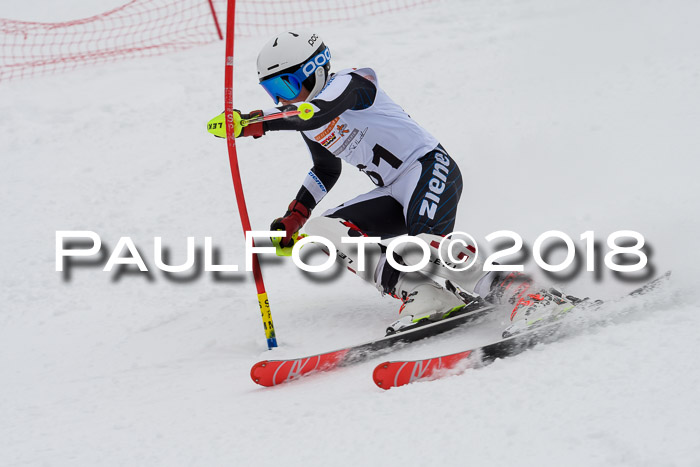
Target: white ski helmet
[(291, 60)]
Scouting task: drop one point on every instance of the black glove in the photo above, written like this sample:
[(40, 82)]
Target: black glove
[(293, 220)]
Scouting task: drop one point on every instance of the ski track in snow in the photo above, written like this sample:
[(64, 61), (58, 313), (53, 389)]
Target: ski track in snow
[(572, 116)]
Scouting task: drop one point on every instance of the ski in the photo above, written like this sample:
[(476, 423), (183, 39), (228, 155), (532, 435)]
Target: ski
[(398, 373), (275, 372)]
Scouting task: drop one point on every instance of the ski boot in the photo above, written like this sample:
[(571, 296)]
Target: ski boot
[(473, 301), (423, 303), (539, 308)]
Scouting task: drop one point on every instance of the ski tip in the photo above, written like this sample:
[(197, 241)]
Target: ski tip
[(255, 373), (378, 375)]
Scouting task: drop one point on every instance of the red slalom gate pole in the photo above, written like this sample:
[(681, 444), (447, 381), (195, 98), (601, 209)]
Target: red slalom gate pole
[(236, 175)]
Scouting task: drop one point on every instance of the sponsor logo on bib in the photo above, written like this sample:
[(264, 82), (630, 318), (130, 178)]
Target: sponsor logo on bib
[(328, 129)]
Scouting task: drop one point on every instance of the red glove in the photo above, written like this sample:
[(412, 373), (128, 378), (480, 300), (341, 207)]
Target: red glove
[(293, 220), (255, 130)]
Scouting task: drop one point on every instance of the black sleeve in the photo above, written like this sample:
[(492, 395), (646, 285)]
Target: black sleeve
[(358, 95), (326, 167)]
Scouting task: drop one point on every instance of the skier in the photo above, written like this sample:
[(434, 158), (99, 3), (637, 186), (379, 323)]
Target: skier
[(418, 184)]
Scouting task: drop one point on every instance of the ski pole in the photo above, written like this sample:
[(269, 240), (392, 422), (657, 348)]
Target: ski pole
[(305, 111), (217, 125)]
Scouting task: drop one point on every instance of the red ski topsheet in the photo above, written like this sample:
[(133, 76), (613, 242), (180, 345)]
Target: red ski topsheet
[(392, 374), (271, 373), (274, 372)]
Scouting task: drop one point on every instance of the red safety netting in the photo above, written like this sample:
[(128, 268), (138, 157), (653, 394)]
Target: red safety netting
[(149, 27)]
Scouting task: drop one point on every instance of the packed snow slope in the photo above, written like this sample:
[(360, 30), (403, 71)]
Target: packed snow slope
[(572, 116)]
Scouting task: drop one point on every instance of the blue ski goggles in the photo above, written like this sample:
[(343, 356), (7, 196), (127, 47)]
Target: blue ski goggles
[(287, 86)]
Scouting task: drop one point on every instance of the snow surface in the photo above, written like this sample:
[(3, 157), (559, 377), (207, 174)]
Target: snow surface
[(567, 115)]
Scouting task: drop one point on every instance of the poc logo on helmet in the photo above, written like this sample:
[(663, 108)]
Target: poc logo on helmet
[(313, 39), (318, 61)]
